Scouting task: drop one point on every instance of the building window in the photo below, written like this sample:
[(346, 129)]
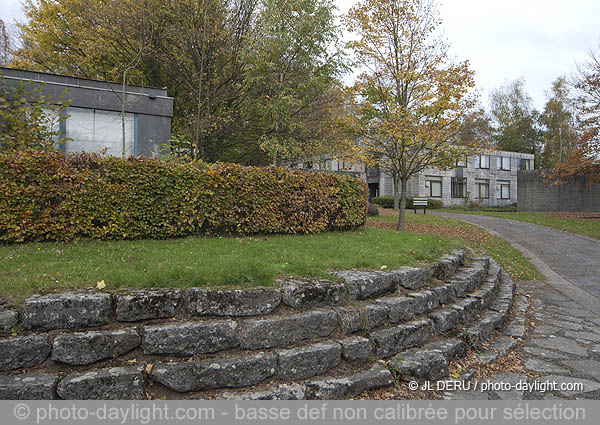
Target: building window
[(94, 130), (484, 161), (344, 165), (434, 184), (482, 189), (459, 187), (503, 163), (461, 163), (525, 164), (502, 189)]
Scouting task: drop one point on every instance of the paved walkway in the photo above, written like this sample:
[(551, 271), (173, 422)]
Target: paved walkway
[(563, 345)]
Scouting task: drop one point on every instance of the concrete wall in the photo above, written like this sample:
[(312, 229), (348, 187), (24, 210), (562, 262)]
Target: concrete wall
[(535, 194)]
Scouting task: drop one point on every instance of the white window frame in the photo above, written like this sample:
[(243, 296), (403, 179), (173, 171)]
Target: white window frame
[(487, 161), (430, 182), (479, 184), (501, 161), (501, 186)]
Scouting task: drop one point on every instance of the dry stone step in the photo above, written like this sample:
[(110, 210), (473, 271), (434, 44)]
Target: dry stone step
[(241, 371), (419, 363), (467, 309), (485, 295), (368, 284), (425, 301), (444, 319), (350, 386), (448, 265), (83, 348), (308, 361), (281, 392), (24, 351), (286, 330), (77, 309), (351, 320), (31, 386), (142, 305), (117, 383), (303, 293), (376, 315), (451, 348), (401, 309), (236, 303), (412, 277), (9, 317), (445, 293), (388, 342), (186, 339), (504, 344), (356, 349)]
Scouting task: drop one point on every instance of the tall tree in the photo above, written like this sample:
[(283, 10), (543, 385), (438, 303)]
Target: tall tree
[(292, 70), (410, 98), (514, 119), (4, 45), (585, 158), (558, 119), (476, 130)]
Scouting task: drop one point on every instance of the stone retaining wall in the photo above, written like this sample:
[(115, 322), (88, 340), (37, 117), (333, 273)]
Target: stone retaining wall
[(201, 340)]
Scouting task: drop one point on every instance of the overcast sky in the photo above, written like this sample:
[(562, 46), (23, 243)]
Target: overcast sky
[(538, 40)]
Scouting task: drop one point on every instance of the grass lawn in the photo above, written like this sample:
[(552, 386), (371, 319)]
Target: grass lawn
[(574, 223), (510, 258), (200, 261)]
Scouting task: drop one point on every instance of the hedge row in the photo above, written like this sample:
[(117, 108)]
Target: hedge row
[(388, 202), (52, 196)]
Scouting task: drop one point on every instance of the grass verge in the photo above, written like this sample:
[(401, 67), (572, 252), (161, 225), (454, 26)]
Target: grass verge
[(475, 237), (575, 224), (200, 261)]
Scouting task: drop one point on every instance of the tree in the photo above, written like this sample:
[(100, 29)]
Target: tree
[(410, 98), (4, 45), (206, 53), (514, 119), (558, 119), (585, 158), (476, 130), (29, 117), (292, 70)]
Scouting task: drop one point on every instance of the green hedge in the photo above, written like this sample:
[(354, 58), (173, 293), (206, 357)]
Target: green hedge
[(388, 202), (52, 196)]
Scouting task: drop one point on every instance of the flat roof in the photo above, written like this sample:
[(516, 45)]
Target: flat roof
[(47, 77)]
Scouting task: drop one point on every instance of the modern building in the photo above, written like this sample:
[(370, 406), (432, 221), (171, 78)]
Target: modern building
[(94, 113), (489, 178)]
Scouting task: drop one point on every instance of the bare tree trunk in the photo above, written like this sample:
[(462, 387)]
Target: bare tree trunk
[(200, 149), (396, 192), (402, 212), (123, 114)]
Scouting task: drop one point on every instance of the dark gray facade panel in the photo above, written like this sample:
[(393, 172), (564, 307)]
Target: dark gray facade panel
[(153, 133), (535, 194), (78, 82)]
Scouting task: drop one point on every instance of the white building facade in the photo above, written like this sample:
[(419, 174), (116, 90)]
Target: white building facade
[(489, 178)]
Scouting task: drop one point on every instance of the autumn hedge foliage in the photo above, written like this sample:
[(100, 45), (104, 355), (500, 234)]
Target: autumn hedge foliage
[(58, 197)]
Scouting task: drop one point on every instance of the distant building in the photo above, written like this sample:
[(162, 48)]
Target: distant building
[(490, 178), (94, 121)]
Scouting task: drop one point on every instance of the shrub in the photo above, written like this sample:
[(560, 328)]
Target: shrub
[(388, 202), (384, 201), (52, 196)]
